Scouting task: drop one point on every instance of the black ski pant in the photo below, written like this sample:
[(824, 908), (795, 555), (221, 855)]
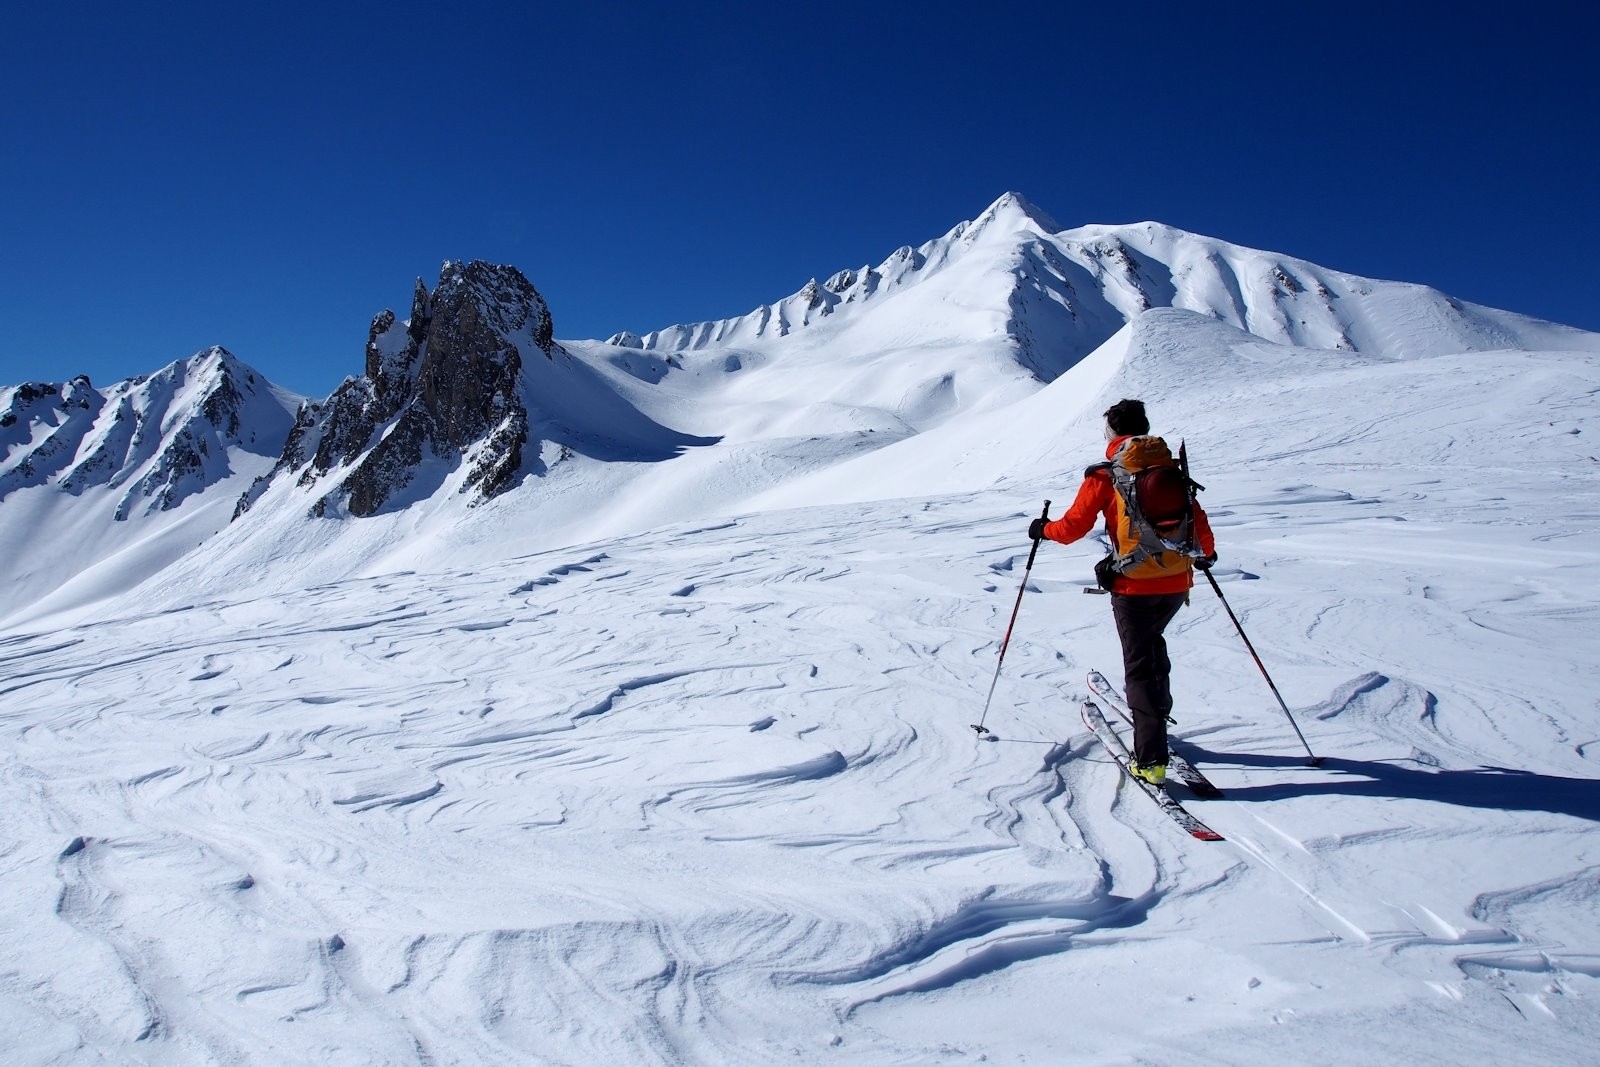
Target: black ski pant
[(1141, 621)]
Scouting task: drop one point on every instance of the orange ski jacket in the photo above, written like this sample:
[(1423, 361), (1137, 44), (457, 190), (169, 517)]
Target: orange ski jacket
[(1095, 500)]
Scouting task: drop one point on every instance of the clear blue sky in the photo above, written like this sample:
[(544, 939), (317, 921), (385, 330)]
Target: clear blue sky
[(270, 177)]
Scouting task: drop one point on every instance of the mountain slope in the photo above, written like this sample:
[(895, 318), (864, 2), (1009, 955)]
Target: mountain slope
[(958, 362), (708, 793), (1076, 287)]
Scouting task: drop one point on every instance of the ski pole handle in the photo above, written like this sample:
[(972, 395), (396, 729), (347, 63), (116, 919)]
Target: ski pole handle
[(1045, 515)]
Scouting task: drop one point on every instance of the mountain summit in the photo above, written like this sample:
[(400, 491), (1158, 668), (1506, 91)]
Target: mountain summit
[(443, 385), (154, 442)]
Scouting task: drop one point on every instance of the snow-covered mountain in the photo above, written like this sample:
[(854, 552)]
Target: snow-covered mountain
[(472, 429), (157, 440), (707, 793), (657, 750), (104, 487), (1064, 292)]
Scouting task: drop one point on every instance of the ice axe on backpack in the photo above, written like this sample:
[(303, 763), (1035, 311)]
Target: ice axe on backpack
[(978, 726)]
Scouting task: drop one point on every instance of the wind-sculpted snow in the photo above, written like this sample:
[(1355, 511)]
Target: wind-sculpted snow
[(711, 795)]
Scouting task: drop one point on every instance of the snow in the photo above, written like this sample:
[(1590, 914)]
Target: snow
[(668, 760)]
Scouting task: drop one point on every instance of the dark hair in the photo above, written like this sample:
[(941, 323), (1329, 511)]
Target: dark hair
[(1128, 417)]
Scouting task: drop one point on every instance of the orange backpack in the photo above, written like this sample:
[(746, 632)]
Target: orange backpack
[(1152, 524)]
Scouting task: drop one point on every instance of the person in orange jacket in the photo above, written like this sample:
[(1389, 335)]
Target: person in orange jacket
[(1142, 606)]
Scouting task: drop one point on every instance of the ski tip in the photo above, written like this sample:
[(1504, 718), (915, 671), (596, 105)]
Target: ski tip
[(1206, 835)]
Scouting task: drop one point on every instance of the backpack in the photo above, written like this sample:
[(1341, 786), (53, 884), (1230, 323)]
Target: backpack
[(1152, 527)]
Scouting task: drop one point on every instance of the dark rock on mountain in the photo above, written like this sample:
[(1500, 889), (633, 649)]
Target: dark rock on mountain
[(444, 387), (41, 427)]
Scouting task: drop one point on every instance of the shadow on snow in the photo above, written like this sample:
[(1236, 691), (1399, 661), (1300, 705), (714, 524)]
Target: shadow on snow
[(1493, 788)]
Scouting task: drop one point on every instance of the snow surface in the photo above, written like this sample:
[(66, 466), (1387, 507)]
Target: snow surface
[(427, 788)]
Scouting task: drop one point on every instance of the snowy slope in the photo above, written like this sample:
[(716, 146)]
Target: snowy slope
[(708, 794), (664, 757), (958, 360), (1079, 286)]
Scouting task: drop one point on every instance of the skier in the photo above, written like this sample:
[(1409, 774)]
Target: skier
[(1156, 540)]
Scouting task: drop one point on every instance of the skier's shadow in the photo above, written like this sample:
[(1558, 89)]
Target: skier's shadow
[(1494, 788)]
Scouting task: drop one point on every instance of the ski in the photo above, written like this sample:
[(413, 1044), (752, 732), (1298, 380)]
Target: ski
[(1095, 720), (1181, 765)]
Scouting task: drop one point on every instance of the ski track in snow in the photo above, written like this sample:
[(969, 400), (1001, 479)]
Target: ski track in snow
[(712, 796)]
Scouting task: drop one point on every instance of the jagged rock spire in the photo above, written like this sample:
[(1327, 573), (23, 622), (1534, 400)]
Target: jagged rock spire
[(443, 384)]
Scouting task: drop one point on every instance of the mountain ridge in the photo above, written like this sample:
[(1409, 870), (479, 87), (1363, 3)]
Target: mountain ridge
[(1136, 266), (473, 425), (168, 433), (442, 382)]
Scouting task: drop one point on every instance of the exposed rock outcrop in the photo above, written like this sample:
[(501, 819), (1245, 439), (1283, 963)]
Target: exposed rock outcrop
[(441, 388)]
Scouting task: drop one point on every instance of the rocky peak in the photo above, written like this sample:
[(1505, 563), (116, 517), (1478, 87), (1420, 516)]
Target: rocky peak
[(491, 299), (444, 384), (482, 317)]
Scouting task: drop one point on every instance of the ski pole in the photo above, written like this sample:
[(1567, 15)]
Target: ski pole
[(978, 726), (1314, 760)]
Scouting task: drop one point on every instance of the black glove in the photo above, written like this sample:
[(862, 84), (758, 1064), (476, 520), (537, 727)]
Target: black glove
[(1205, 562), (1036, 529)]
